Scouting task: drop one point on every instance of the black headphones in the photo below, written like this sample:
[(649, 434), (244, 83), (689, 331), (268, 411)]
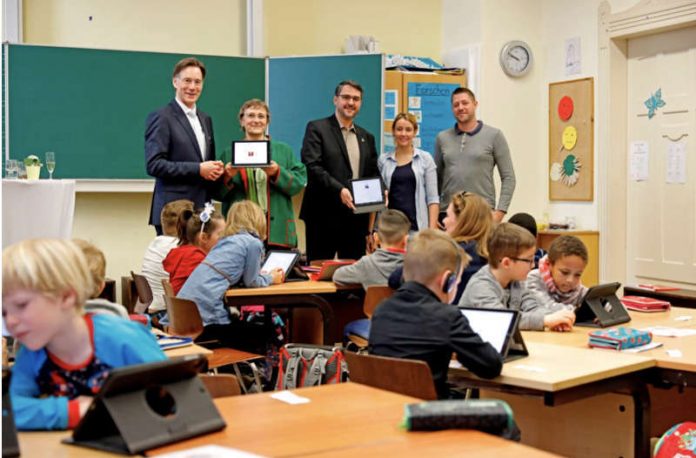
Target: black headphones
[(451, 279)]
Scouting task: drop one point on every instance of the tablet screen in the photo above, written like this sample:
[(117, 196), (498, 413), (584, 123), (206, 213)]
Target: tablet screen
[(279, 260), (367, 191), (250, 153), (492, 325)]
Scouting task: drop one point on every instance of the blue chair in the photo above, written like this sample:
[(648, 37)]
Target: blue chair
[(358, 331)]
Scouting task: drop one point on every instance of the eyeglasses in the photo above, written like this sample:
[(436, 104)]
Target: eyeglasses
[(348, 98), (528, 261)]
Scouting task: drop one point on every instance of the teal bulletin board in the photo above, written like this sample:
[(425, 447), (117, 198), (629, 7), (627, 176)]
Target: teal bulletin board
[(89, 106), (301, 89)]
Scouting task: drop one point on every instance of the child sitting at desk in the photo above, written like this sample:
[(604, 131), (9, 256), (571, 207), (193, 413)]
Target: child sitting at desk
[(64, 356), (375, 268), (198, 233), (500, 284), (557, 280), (96, 262), (234, 261), (417, 322), (157, 250)]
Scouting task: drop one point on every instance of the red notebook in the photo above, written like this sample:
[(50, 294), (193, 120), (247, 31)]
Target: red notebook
[(645, 304)]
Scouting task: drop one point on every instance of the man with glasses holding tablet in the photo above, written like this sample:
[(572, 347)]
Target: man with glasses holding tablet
[(467, 153), (336, 151)]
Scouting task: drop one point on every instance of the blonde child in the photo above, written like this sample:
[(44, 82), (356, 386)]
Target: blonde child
[(65, 356), (96, 262), (158, 249), (557, 280), (198, 233), (500, 284), (234, 261), (375, 268)]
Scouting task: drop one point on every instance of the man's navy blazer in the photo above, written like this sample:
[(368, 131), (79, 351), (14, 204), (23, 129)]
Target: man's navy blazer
[(325, 154), (173, 157)]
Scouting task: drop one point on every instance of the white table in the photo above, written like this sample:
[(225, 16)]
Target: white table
[(37, 208)]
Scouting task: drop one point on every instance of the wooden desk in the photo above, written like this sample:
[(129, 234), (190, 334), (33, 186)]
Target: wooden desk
[(678, 298), (590, 276), (322, 295), (348, 419), (341, 420)]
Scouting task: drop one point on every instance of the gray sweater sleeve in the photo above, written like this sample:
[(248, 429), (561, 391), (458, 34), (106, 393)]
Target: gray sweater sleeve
[(532, 312), (353, 274), (439, 163), (501, 152), (483, 292)]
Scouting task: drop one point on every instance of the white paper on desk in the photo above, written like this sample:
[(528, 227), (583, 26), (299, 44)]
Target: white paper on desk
[(664, 331), (289, 397), (640, 159), (674, 353), (676, 163), (645, 347), (525, 367), (210, 451)]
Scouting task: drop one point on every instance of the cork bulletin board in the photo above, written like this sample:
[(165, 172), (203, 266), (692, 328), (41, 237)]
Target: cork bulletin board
[(571, 140)]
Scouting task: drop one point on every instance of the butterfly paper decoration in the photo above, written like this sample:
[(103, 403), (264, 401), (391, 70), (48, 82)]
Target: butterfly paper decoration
[(654, 102)]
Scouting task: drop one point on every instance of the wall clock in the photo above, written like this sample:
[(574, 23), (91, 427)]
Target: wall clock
[(516, 58)]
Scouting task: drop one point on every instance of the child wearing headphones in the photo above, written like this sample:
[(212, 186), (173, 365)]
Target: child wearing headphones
[(198, 233), (501, 284), (375, 268), (417, 322)]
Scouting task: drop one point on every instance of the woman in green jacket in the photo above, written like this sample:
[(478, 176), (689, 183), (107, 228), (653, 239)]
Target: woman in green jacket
[(270, 187)]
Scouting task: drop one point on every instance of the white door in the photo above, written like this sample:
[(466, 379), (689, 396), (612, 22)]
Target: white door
[(661, 226)]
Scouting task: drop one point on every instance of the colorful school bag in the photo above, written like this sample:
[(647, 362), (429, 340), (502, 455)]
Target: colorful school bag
[(678, 441), (310, 365)]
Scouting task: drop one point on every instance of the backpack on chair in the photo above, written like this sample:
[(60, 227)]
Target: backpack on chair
[(310, 365)]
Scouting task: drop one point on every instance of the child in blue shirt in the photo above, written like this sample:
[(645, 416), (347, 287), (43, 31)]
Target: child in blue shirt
[(65, 356), (234, 261)]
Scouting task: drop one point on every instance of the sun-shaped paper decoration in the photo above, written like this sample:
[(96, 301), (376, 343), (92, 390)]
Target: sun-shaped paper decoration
[(570, 173), (556, 171)]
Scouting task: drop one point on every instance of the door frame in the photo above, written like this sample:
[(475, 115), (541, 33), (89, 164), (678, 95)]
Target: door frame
[(648, 17)]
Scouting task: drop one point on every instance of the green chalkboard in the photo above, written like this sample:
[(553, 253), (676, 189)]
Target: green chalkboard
[(90, 106)]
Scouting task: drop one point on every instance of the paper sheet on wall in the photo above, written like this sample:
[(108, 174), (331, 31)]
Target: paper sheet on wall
[(639, 157), (391, 104), (573, 54), (676, 162)]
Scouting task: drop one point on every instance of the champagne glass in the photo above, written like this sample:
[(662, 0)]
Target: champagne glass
[(11, 167), (50, 163)]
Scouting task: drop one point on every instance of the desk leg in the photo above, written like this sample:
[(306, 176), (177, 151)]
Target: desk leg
[(641, 421)]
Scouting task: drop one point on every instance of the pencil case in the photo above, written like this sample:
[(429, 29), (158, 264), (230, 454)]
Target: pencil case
[(489, 415), (619, 338)]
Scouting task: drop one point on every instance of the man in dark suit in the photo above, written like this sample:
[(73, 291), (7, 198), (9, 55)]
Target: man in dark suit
[(179, 144), (335, 151)]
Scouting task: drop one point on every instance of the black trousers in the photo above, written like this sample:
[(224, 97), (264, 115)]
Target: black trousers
[(343, 233)]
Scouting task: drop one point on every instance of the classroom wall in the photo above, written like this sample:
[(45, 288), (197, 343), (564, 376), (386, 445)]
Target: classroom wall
[(302, 27), (117, 222), (207, 27)]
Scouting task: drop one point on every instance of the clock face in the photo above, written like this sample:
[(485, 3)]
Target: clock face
[(516, 58)]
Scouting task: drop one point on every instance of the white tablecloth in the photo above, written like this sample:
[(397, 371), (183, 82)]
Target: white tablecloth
[(37, 208)]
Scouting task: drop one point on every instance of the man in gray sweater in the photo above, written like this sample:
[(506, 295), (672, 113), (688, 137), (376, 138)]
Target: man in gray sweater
[(375, 268), (466, 154)]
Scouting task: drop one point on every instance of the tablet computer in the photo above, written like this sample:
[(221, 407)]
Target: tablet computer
[(327, 269), (499, 328), (601, 307), (368, 195), (246, 153), (276, 259)]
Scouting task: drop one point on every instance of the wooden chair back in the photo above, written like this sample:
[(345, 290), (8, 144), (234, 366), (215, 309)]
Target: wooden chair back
[(374, 296), (221, 385), (184, 317), (168, 290), (142, 287), (406, 376)]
